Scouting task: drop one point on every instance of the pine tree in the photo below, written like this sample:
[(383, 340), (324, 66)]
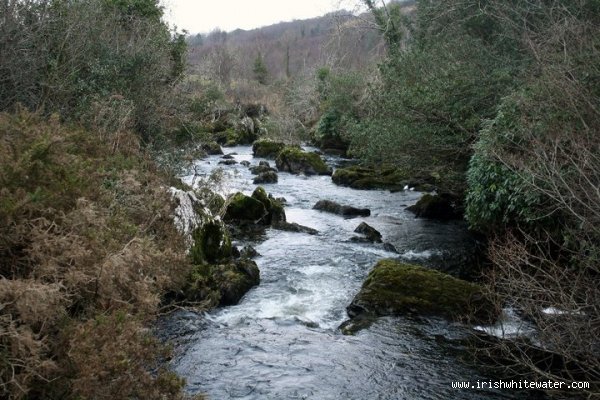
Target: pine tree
[(260, 70)]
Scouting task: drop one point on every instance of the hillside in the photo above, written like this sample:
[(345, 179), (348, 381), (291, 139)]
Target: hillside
[(289, 49)]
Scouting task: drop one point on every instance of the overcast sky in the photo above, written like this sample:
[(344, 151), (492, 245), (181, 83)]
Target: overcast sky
[(202, 16)]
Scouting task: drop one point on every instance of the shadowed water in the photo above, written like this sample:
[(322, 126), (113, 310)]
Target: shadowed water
[(281, 341)]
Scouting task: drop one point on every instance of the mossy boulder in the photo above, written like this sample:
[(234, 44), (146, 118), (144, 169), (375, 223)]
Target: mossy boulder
[(260, 208), (380, 177), (267, 148), (266, 177), (242, 208), (212, 148), (335, 208), (222, 284), (211, 242), (275, 212), (297, 161), (395, 288), (436, 206), (235, 279), (261, 169)]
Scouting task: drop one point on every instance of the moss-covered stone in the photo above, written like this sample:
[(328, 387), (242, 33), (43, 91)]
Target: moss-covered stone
[(235, 279), (266, 177), (261, 169), (394, 288), (211, 243), (275, 211), (267, 148), (212, 148), (296, 161), (221, 284), (379, 177), (244, 208), (432, 206)]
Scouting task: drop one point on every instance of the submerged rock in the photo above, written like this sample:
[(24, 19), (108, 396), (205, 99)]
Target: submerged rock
[(228, 162), (296, 161), (335, 208), (436, 206), (395, 288), (294, 227), (267, 148), (371, 234), (261, 169), (266, 177), (245, 163)]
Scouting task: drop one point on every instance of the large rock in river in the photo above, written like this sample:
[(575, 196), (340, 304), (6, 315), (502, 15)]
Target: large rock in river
[(242, 208), (371, 234), (267, 148), (296, 161), (380, 177), (222, 284), (436, 206), (260, 208), (335, 208), (395, 288), (266, 177)]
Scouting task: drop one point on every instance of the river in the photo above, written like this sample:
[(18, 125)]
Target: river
[(281, 341)]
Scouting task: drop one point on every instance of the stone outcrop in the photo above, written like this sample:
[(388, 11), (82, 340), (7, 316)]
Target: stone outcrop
[(296, 161), (335, 208)]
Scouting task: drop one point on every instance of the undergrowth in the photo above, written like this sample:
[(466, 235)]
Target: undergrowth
[(87, 250)]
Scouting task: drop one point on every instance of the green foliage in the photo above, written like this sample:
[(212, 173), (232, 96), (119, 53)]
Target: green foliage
[(340, 95), (437, 88), (67, 57), (499, 196), (260, 71)]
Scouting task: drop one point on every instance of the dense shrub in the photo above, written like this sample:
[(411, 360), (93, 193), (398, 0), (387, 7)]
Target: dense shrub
[(66, 56), (87, 249)]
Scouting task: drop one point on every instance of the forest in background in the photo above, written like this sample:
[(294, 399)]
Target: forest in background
[(495, 104)]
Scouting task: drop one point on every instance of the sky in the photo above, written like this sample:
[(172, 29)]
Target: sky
[(203, 16)]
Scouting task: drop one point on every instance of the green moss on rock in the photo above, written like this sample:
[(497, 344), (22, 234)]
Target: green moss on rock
[(297, 161), (273, 207), (244, 209), (267, 148), (212, 148), (211, 243), (394, 288), (380, 177), (221, 284)]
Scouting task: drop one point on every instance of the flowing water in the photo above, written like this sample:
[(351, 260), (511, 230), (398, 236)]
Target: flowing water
[(281, 341)]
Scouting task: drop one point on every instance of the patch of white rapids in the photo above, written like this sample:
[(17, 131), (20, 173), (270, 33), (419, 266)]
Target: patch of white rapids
[(281, 341)]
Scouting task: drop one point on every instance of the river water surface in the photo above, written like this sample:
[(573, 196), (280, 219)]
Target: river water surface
[(281, 341)]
